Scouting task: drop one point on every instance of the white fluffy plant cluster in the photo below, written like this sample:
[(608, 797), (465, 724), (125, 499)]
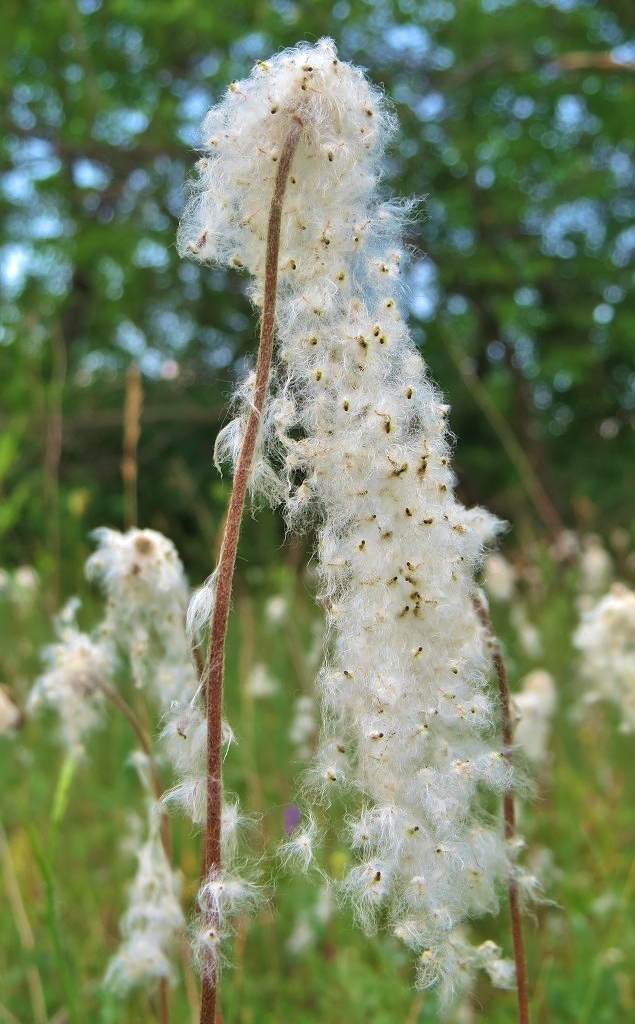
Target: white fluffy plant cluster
[(153, 921), (354, 439), (147, 594), (606, 642), (143, 631)]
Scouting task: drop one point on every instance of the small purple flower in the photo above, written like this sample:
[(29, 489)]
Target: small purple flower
[(291, 819)]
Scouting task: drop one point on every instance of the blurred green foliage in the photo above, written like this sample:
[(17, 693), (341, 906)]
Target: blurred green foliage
[(515, 132)]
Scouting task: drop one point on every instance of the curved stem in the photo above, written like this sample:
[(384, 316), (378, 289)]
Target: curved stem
[(509, 811), (213, 688), (117, 701), (513, 448)]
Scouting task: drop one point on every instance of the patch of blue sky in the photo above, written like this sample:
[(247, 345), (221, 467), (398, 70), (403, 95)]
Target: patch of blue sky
[(88, 174), (119, 127), (572, 115), (583, 217), (423, 289), (151, 363), (47, 225), (18, 187), (253, 46), (430, 107), (432, 10), (566, 6), (625, 53), (173, 331), (491, 6), (194, 105), (150, 254), (131, 339), (623, 250), (409, 41), (622, 168), (14, 265)]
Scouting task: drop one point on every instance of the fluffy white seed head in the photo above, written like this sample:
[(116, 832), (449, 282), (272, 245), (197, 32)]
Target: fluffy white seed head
[(199, 610), (606, 641), (152, 922), (139, 567), (596, 567), (303, 728), (344, 123), (356, 434), (220, 899), (299, 850), (184, 743), (500, 577), (535, 705), (10, 714), (260, 682), (76, 667), (144, 582)]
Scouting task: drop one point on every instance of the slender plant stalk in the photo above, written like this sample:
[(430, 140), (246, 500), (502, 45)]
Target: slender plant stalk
[(53, 455), (509, 812), (164, 1001), (213, 689), (117, 700), (60, 952), (122, 706), (7, 1016), (511, 445), (133, 405), (23, 928)]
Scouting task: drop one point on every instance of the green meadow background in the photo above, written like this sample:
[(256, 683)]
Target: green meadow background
[(517, 135)]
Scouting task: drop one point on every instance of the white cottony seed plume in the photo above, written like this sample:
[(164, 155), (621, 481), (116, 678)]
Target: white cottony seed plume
[(356, 433), (153, 921), (535, 705), (606, 641), (77, 666), (143, 578)]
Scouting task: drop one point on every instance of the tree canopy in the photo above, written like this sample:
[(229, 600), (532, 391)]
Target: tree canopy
[(515, 137)]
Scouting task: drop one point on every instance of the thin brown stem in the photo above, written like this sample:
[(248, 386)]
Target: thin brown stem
[(133, 405), (166, 841), (227, 560), (509, 811), (511, 445), (124, 708), (164, 1001), (53, 454)]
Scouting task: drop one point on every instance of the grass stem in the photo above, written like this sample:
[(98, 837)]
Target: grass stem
[(23, 928)]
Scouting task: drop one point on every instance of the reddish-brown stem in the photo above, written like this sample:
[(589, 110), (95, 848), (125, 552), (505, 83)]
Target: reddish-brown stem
[(213, 689), (164, 1001), (133, 406), (509, 812)]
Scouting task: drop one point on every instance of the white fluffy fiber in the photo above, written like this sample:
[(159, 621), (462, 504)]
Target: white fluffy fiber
[(606, 641), (357, 433)]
